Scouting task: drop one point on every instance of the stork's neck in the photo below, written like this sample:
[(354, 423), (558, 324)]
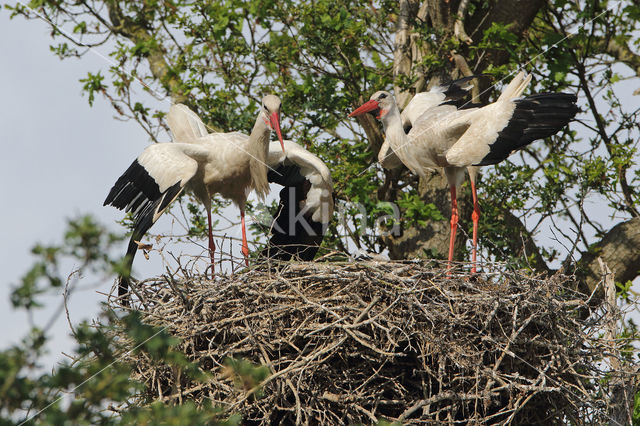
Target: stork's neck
[(257, 149), (398, 142), (393, 130)]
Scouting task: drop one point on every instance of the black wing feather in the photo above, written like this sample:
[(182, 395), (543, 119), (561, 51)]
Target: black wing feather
[(291, 238), (535, 117), (457, 91), (136, 191)]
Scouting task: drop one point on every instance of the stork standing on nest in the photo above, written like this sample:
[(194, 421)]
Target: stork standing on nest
[(443, 133), (306, 202), (229, 164)]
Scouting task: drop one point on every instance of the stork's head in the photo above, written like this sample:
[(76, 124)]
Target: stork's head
[(378, 105), (271, 115)]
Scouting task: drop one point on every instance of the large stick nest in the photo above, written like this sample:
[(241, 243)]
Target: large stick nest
[(358, 342)]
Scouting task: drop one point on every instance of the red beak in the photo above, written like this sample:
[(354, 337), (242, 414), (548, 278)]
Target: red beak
[(368, 106), (275, 124)]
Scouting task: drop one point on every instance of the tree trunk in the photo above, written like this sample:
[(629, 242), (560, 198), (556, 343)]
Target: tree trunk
[(619, 249), (433, 239)]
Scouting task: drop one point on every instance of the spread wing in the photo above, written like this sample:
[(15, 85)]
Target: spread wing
[(433, 123), (452, 93), (510, 123), (184, 123), (149, 185)]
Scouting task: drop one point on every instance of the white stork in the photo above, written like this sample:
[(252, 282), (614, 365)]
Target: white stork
[(229, 164), (305, 205), (306, 199), (455, 137)]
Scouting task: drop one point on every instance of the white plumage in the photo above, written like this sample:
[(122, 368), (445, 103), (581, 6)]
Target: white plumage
[(230, 164), (184, 123), (291, 167), (319, 199), (442, 135)]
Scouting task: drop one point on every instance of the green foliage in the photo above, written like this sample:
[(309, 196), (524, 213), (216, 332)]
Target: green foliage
[(92, 84), (199, 226), (384, 422), (416, 211), (623, 290), (186, 413), (323, 58), (499, 36), (84, 240), (98, 380)]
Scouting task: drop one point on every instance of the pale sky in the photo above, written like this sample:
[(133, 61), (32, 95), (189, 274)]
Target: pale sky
[(60, 159)]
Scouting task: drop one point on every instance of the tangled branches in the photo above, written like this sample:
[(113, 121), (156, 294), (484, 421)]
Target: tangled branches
[(358, 342)]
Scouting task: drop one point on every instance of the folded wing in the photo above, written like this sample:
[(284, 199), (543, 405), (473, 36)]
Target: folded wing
[(306, 199)]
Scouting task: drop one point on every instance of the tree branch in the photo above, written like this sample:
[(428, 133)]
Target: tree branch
[(402, 60), (619, 249), (602, 131), (524, 246), (136, 31), (458, 28), (622, 53), (517, 15)]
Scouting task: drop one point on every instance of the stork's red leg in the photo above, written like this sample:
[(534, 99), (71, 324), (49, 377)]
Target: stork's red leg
[(212, 246), (245, 246), (475, 216), (454, 226)]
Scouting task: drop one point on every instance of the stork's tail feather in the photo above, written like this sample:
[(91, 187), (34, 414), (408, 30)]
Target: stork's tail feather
[(184, 123), (535, 117), (124, 279)]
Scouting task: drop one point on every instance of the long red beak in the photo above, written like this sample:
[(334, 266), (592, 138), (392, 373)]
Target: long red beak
[(368, 106), (275, 124)]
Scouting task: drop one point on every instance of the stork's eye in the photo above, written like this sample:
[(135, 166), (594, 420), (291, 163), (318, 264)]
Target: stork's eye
[(382, 96)]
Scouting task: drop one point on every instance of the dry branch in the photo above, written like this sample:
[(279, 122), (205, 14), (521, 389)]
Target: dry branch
[(349, 343)]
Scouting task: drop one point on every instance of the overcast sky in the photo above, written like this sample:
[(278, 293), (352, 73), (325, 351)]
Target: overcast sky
[(60, 158)]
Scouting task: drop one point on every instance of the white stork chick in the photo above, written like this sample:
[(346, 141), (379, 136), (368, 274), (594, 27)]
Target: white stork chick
[(306, 199), (442, 135), (229, 164)]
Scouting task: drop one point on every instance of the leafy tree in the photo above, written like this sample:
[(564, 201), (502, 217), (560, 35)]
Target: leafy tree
[(95, 386), (325, 57)]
